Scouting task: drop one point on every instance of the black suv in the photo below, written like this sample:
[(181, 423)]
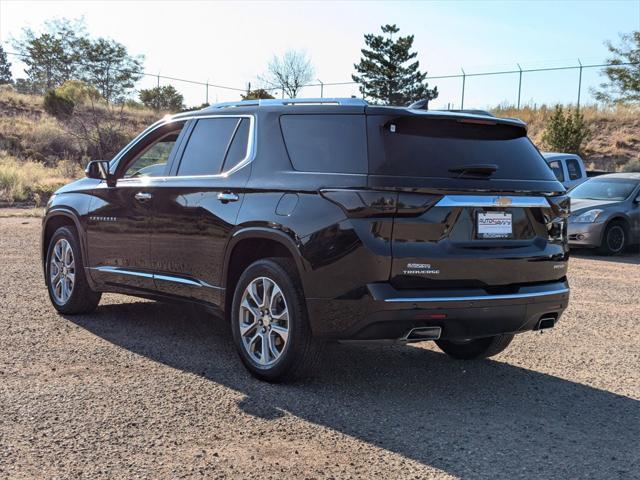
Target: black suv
[(308, 220)]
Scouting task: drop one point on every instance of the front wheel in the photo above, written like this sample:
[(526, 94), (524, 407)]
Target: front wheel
[(614, 239), (478, 348), (66, 282), (269, 322)]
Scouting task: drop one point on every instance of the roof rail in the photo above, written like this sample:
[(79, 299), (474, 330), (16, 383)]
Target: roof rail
[(291, 101)]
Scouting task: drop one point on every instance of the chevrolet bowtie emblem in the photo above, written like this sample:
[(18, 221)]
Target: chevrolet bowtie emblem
[(502, 202)]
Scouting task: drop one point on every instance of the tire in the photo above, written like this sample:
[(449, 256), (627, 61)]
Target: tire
[(478, 348), (614, 239), (78, 296), (260, 342)]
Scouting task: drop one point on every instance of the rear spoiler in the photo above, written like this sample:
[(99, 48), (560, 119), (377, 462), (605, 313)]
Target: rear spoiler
[(445, 114)]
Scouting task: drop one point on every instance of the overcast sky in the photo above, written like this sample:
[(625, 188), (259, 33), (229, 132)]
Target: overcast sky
[(229, 43)]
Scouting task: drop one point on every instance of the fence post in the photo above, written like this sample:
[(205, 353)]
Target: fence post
[(207, 92), (158, 94), (464, 77), (579, 85), (321, 88), (519, 84)]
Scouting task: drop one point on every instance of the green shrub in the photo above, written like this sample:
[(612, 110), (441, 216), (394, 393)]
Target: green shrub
[(565, 132), (57, 105), (78, 92), (10, 143)]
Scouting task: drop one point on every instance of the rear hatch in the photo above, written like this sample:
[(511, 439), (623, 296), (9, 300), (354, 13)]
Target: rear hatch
[(477, 205)]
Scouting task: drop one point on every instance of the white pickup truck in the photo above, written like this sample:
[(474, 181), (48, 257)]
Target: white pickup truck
[(568, 168)]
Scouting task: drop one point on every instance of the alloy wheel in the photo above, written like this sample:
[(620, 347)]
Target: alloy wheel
[(264, 321), (62, 271)]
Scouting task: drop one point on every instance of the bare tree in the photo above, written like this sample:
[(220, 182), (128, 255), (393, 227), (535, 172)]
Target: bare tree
[(290, 72)]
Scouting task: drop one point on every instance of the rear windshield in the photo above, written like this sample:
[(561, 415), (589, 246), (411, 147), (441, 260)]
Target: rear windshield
[(418, 147)]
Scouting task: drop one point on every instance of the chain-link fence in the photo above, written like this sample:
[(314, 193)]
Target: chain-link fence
[(516, 87)]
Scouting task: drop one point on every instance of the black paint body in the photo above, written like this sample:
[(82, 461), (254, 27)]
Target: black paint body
[(351, 249)]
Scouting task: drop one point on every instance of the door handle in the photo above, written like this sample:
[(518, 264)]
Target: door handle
[(226, 197), (143, 196)]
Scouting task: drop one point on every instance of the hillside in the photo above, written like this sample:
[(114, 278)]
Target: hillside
[(39, 152), (614, 134)]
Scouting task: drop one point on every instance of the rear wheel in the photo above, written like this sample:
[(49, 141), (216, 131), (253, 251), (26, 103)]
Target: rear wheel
[(66, 281), (614, 239), (477, 348), (269, 322)]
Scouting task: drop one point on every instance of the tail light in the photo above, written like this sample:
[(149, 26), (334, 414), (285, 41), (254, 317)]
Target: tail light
[(557, 222), (560, 205)]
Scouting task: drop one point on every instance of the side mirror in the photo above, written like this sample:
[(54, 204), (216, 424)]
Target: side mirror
[(637, 199), (98, 169)]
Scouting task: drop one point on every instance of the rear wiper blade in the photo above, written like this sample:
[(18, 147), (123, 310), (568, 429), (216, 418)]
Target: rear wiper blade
[(477, 169)]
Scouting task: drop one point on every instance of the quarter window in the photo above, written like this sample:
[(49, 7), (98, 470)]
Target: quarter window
[(326, 143), (238, 148), (209, 142)]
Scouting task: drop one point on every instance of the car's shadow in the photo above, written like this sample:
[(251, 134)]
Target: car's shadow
[(631, 256), (471, 420)]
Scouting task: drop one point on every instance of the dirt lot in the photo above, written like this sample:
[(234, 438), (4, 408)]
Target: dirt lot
[(146, 390)]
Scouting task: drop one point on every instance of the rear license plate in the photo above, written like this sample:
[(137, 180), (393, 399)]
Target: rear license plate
[(494, 225)]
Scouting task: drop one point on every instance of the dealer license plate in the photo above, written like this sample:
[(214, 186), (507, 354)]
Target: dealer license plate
[(494, 225)]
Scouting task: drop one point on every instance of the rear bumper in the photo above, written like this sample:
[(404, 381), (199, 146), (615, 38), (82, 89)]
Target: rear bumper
[(386, 313)]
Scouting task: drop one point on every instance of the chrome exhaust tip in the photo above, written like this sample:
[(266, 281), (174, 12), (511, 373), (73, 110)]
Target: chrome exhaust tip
[(421, 334), (546, 323)]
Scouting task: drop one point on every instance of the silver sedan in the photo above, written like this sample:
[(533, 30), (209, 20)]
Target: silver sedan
[(605, 213)]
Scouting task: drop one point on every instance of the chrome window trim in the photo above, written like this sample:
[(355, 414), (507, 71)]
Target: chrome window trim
[(476, 298), (510, 201), (249, 157)]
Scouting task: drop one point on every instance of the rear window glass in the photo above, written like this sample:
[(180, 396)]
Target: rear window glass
[(556, 167), (417, 147), (573, 168), (326, 143)]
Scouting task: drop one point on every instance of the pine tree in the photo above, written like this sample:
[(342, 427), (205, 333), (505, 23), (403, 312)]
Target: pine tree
[(5, 68), (565, 132), (623, 71), (383, 72)]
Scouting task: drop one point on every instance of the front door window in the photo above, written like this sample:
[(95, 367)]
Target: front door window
[(153, 160)]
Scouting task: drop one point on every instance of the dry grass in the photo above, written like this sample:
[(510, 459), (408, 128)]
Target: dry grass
[(32, 182), (35, 212)]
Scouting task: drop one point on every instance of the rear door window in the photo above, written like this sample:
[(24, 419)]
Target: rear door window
[(326, 143), (573, 168), (556, 168), (431, 147), (207, 146)]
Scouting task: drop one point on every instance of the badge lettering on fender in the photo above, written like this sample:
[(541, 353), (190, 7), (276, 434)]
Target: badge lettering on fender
[(420, 269)]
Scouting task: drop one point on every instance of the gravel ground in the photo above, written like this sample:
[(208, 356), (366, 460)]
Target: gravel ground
[(147, 390)]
